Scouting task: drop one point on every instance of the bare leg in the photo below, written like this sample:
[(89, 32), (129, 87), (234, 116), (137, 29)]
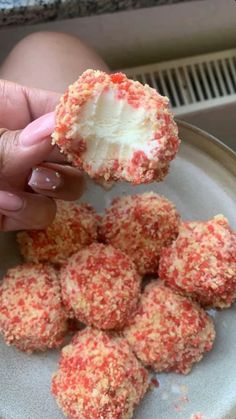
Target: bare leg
[(49, 60)]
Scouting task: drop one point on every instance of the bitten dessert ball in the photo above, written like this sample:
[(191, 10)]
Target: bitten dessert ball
[(31, 313), (116, 129), (74, 227), (141, 225), (101, 286), (98, 378), (202, 262), (169, 332)]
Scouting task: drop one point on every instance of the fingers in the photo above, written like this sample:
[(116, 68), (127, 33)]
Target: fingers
[(25, 211), (23, 104), (20, 150), (40, 101), (56, 156), (57, 181)]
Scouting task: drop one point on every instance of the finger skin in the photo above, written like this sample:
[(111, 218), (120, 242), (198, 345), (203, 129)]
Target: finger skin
[(56, 156), (72, 186), (37, 213), (19, 105), (15, 159)]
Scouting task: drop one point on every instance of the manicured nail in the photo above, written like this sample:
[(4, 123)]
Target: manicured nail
[(43, 178), (10, 202), (38, 130)]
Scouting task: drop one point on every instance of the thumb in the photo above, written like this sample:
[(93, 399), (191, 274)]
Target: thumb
[(21, 150)]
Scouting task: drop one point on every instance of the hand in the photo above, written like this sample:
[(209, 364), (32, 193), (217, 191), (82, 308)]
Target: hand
[(32, 172)]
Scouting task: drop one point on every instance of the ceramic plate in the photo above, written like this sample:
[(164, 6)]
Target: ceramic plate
[(201, 183)]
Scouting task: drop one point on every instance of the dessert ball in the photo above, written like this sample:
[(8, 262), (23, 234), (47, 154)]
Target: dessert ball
[(201, 263), (116, 129), (32, 316), (98, 377), (74, 227), (141, 225), (100, 286), (169, 331)]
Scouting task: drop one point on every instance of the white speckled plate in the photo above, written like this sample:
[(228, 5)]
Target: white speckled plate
[(202, 183)]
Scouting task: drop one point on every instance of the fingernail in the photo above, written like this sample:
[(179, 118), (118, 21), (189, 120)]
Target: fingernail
[(42, 178), (10, 202), (38, 130)]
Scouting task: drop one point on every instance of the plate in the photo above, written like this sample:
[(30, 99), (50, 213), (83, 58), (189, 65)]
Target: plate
[(202, 183)]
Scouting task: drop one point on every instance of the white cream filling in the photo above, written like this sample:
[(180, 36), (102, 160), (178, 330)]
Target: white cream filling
[(112, 128)]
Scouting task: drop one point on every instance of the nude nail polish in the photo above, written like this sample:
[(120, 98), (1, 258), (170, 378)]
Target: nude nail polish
[(10, 202), (46, 179), (37, 130)]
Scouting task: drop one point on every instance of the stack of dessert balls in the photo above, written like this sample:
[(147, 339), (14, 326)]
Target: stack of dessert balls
[(89, 268)]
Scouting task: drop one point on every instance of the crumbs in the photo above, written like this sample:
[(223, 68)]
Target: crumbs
[(198, 415)]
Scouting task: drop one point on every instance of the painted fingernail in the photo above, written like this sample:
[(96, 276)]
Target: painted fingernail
[(42, 178), (38, 130), (10, 202)]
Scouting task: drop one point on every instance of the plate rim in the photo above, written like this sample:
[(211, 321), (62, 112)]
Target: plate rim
[(211, 145)]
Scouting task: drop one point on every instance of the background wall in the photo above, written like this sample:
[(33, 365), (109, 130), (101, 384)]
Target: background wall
[(148, 35)]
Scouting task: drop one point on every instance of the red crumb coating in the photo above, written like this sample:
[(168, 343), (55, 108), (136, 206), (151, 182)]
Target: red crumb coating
[(74, 227), (31, 313), (141, 225), (98, 378), (147, 159), (202, 262), (101, 286), (169, 331)]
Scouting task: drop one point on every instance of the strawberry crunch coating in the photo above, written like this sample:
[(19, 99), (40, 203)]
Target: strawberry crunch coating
[(31, 313), (116, 129), (169, 331), (141, 225), (201, 263), (75, 226), (98, 378), (101, 286)]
